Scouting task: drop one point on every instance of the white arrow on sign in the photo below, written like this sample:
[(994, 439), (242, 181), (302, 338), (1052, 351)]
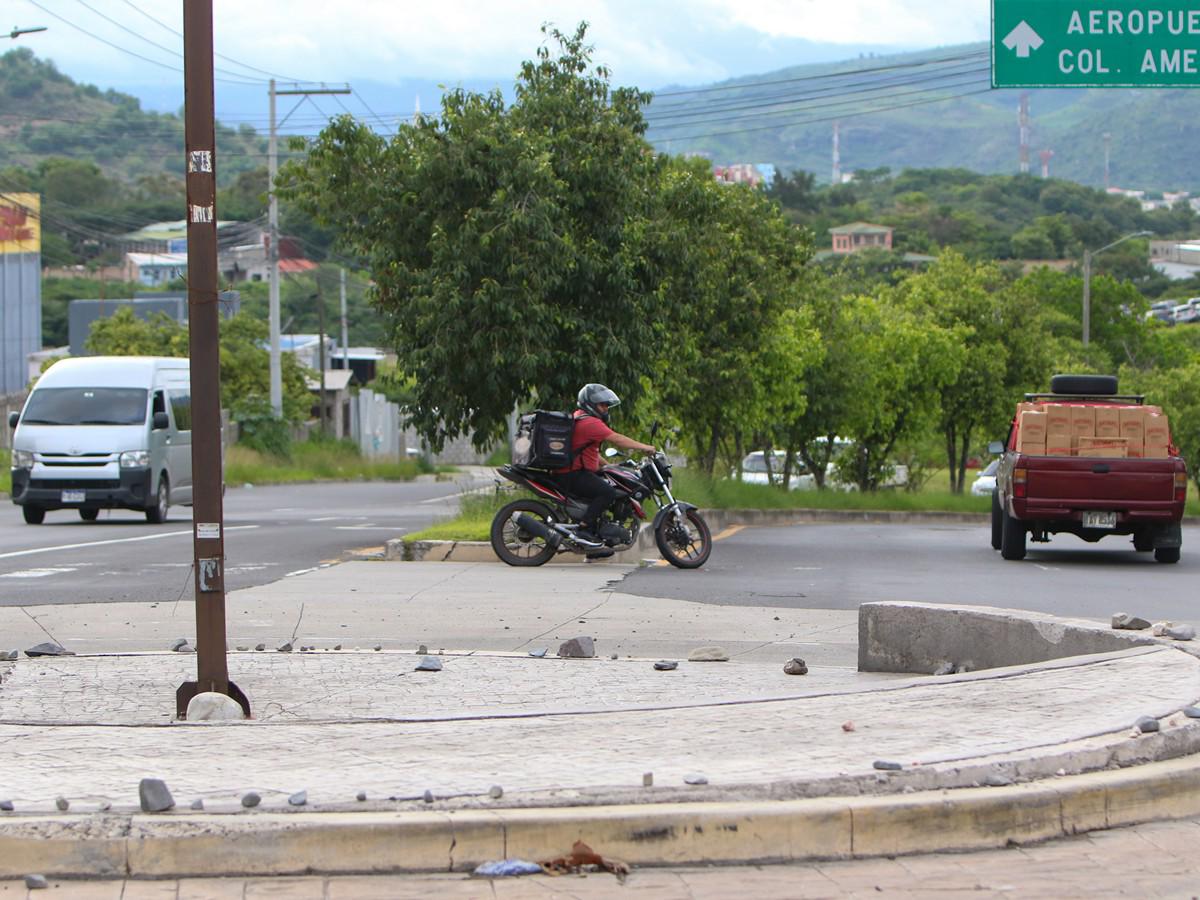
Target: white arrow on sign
[(1023, 39)]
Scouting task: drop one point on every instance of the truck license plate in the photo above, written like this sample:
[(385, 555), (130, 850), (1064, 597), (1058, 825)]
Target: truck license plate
[(74, 496), (1099, 520)]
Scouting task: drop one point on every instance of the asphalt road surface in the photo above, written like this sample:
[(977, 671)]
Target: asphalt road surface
[(828, 566), (270, 532)]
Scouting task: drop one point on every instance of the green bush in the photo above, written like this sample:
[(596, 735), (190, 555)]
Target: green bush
[(260, 430)]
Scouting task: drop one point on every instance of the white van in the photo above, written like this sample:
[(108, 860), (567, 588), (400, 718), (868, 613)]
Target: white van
[(105, 432)]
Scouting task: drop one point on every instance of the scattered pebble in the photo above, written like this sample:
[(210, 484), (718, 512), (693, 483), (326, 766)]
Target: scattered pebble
[(539, 652), (11, 654), (300, 798), (62, 803), (260, 646), (251, 800), (884, 765), (429, 664), (422, 649), (708, 654), (1159, 629), (614, 656), (946, 668), (178, 644), (1181, 633), (361, 796), (378, 647), (997, 780), (495, 792), (154, 795), (428, 796), (1061, 772), (198, 803), (36, 882), (578, 648), (648, 779), (1146, 724), (337, 647), (695, 779), (666, 665), (795, 666), (1125, 622), (285, 648), (243, 649), (1192, 712), (6, 806), (48, 649), (847, 726), (104, 806)]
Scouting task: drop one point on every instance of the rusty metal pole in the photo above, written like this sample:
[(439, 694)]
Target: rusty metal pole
[(208, 545)]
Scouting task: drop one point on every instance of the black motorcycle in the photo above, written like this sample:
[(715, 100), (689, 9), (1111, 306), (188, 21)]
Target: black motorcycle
[(531, 532)]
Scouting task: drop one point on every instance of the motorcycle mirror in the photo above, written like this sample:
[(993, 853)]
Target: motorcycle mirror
[(611, 452)]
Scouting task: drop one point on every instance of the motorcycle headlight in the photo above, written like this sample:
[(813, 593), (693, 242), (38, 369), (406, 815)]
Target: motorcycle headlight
[(135, 459), (22, 459)]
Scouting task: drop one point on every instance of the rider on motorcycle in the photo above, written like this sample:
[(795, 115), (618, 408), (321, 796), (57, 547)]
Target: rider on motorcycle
[(581, 478)]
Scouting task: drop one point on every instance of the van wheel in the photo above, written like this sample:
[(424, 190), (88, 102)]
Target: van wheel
[(89, 515), (34, 515), (1166, 555), (1012, 537), (157, 514)]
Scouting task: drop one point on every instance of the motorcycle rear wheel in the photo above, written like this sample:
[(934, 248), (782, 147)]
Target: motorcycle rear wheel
[(513, 544), (687, 544)]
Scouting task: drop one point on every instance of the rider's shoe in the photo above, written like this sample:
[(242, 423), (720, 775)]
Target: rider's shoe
[(587, 538)]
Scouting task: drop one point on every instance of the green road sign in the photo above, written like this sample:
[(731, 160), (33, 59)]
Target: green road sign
[(1109, 43)]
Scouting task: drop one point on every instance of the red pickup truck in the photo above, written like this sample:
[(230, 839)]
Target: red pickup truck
[(1084, 484)]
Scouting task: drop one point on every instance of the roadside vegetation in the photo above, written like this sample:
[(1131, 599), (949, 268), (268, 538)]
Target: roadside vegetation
[(317, 459)]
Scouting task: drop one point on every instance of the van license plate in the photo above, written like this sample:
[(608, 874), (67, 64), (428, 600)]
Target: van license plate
[(1099, 520), (74, 496)]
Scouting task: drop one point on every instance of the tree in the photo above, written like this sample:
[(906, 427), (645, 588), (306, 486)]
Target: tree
[(1177, 391), (499, 239)]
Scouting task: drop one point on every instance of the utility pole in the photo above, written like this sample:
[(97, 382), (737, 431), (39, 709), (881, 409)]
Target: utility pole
[(208, 546), (345, 329), (837, 153), (1024, 133), (321, 351), (276, 374), (1087, 280)]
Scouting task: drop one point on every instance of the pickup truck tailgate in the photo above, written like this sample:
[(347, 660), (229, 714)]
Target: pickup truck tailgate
[(1096, 480)]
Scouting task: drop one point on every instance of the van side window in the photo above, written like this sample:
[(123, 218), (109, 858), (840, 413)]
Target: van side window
[(181, 407), (160, 405)]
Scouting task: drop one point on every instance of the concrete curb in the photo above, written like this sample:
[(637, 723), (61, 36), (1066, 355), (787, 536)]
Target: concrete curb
[(181, 845)]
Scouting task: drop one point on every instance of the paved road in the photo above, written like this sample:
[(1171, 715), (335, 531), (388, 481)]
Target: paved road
[(271, 532), (823, 566)]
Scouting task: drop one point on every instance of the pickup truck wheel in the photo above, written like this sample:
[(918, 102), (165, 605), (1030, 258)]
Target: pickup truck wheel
[(1012, 537), (1143, 541), (997, 522), (1166, 555)]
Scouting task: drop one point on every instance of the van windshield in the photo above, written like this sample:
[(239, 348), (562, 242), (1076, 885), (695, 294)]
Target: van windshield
[(86, 406)]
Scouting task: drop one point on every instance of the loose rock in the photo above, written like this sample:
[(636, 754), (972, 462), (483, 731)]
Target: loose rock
[(154, 795), (695, 779), (285, 647), (884, 765), (847, 726), (300, 798), (996, 780), (495, 792), (210, 706), (648, 779), (1146, 724), (422, 650), (578, 648), (428, 796), (178, 643), (963, 668), (946, 668), (1181, 633), (242, 649), (361, 796), (36, 882), (260, 646), (378, 647), (62, 803), (6, 806), (666, 665), (11, 654), (795, 666), (708, 654), (251, 800), (104, 806), (1159, 629), (48, 648), (197, 803), (1192, 712), (337, 647), (539, 652), (1126, 622), (429, 664)]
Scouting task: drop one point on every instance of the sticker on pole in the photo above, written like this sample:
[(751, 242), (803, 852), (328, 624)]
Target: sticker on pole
[(208, 531)]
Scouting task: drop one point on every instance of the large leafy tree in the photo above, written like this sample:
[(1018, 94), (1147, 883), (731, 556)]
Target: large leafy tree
[(502, 239)]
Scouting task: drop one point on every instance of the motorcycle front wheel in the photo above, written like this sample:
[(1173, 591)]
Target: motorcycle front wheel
[(512, 543), (684, 544)]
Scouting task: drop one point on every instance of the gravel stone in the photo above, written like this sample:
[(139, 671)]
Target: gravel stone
[(62, 803), (795, 666), (539, 653), (996, 780), (946, 668), (11, 654), (337, 647), (708, 654), (884, 765), (300, 798), (242, 649), (578, 648), (6, 806), (178, 644), (695, 778), (104, 806), (210, 706), (285, 647), (495, 792), (36, 882), (666, 665), (648, 779), (361, 796), (198, 803), (422, 650), (1181, 633), (429, 664), (1192, 712), (428, 798), (251, 800), (48, 648), (378, 647), (1125, 622), (260, 646), (1146, 724), (154, 795)]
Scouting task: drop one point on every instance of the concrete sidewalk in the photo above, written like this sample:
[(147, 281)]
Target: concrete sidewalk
[(729, 747)]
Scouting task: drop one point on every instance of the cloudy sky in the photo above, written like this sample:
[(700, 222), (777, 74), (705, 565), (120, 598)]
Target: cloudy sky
[(649, 43)]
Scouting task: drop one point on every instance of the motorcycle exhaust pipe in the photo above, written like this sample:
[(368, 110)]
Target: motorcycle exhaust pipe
[(538, 528)]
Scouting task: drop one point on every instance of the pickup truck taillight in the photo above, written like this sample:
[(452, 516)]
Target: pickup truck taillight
[(1020, 477), (1180, 486)]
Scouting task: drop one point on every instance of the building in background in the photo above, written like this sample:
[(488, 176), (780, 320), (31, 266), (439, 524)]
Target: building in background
[(859, 236), (82, 313), (20, 287)]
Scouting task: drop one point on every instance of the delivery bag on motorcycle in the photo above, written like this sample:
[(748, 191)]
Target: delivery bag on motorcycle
[(544, 440)]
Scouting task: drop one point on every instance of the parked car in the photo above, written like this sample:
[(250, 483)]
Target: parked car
[(1163, 310), (1186, 313), (754, 470), (985, 481)]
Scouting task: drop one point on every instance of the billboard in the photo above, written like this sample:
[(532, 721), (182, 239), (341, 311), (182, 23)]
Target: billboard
[(20, 223)]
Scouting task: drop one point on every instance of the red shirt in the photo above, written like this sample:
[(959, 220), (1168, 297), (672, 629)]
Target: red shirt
[(585, 446)]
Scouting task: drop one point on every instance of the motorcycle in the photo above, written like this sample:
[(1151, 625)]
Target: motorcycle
[(531, 532)]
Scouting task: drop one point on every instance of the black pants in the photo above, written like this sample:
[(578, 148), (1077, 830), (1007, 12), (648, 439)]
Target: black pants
[(591, 487)]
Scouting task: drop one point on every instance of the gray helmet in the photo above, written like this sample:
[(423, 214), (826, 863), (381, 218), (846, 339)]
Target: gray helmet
[(591, 394)]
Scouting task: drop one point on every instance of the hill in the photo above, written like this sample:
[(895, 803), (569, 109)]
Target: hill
[(891, 114)]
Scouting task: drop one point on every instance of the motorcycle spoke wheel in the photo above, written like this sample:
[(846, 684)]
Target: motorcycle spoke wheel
[(513, 544), (685, 543)]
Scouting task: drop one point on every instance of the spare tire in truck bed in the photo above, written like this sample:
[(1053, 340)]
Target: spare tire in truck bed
[(1090, 385)]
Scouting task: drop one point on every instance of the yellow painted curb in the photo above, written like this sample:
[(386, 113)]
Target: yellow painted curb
[(180, 845)]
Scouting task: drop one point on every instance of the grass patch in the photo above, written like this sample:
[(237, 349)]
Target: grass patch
[(5, 471), (474, 519), (317, 460)]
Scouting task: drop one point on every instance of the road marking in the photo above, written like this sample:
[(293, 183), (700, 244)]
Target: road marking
[(807, 569), (728, 532), (130, 540), (337, 518), (368, 528), (302, 571), (1046, 568), (37, 573), (482, 490)]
